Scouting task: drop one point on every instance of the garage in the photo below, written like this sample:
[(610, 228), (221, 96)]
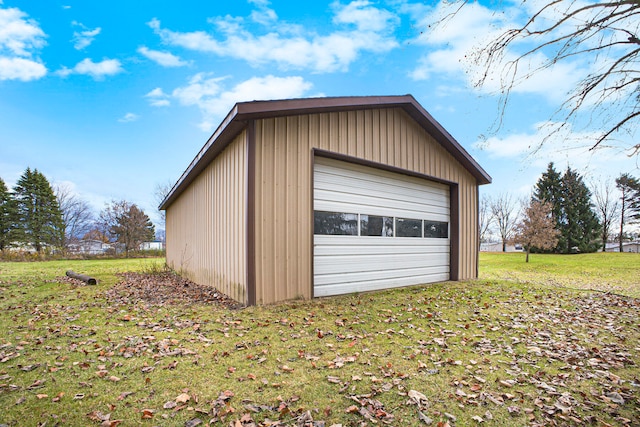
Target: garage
[(376, 229), (300, 198)]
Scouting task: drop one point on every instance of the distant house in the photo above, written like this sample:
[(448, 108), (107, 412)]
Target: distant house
[(89, 247), (497, 247), (303, 198), (626, 247), (156, 245)]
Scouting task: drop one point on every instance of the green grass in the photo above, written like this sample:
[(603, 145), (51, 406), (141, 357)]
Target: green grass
[(608, 272), (513, 348)]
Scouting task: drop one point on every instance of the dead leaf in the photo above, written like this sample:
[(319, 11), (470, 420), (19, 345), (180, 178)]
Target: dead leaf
[(124, 395), (615, 398), (169, 405), (424, 418), (183, 398), (98, 416), (194, 422), (147, 414)]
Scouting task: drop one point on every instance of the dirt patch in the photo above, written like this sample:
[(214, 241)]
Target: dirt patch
[(165, 288)]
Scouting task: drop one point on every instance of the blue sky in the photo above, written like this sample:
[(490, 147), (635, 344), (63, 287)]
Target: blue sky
[(114, 98)]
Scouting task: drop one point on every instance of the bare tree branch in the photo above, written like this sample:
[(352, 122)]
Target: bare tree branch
[(601, 34)]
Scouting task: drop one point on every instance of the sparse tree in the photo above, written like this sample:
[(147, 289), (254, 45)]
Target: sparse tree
[(566, 31), (7, 216), (629, 187), (38, 212), (128, 224), (504, 210), (484, 217), (537, 227), (96, 234), (160, 192), (549, 189), (607, 207), (77, 215)]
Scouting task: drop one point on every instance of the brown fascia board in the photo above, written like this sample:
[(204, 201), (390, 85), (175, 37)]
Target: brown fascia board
[(243, 112)]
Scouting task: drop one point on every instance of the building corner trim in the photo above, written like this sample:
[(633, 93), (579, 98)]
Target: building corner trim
[(251, 213)]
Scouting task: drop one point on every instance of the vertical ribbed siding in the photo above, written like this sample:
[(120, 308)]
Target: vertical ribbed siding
[(282, 211), (206, 225), (284, 194)]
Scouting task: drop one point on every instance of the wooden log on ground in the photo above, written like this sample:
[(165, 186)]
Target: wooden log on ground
[(86, 279)]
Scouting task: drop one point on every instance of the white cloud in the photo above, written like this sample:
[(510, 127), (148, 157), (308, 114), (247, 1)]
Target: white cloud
[(20, 69), (553, 142), (157, 98), (263, 14), (84, 38), (364, 16), (165, 59), (214, 100), (18, 34), (129, 117), (20, 39), (291, 46), (97, 70)]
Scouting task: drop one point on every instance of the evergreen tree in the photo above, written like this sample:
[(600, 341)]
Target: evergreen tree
[(38, 213), (582, 227), (629, 187), (571, 206), (7, 216), (549, 189)]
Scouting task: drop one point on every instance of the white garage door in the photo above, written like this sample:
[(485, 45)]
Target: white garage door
[(375, 229)]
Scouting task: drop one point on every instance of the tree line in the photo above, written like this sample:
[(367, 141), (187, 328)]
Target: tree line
[(563, 215), (36, 216)]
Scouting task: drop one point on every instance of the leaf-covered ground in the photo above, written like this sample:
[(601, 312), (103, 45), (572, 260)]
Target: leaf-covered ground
[(154, 349)]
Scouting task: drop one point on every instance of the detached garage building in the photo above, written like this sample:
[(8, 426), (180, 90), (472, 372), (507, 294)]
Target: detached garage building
[(314, 197)]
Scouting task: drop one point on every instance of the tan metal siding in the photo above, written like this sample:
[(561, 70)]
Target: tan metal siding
[(284, 194), (206, 225)]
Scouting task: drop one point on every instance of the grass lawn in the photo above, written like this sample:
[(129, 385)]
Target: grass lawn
[(524, 345), (608, 272)]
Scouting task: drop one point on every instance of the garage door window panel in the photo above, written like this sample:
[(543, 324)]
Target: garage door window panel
[(406, 227), (436, 229), (335, 223), (373, 225)]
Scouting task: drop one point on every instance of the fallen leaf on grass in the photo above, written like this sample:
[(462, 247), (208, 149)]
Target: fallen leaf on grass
[(98, 416), (424, 418), (417, 398), (183, 398), (124, 395), (147, 414)]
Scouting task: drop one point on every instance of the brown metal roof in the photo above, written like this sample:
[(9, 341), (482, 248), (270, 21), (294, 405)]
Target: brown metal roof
[(242, 112)]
